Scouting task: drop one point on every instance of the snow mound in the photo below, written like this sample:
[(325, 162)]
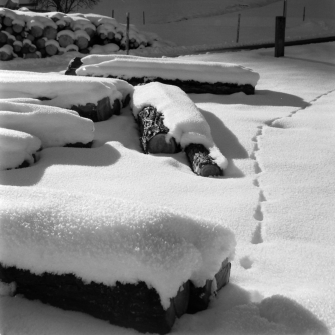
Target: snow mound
[(17, 147), (106, 240), (61, 91), (53, 126), (184, 120), (171, 68)]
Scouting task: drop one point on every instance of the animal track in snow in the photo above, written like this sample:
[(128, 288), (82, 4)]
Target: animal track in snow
[(246, 262), (257, 237)]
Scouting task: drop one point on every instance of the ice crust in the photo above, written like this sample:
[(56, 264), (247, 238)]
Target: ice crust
[(106, 240), (52, 125), (184, 120), (16, 147), (63, 91), (172, 68)]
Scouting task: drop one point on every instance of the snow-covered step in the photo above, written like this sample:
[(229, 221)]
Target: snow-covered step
[(95, 98), (110, 258), (52, 125), (17, 149), (191, 76)]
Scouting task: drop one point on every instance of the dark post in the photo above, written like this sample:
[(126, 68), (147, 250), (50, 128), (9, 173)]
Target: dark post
[(238, 28), (280, 36), (113, 13), (143, 18), (127, 34), (303, 16), (285, 8)]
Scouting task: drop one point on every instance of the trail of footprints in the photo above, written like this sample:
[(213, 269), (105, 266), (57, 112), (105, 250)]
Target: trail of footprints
[(257, 237)]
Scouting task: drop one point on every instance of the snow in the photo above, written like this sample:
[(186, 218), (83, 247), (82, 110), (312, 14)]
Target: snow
[(63, 91), (16, 147), (276, 196), (169, 68), (7, 49), (53, 126), (67, 33), (185, 122), (119, 242)]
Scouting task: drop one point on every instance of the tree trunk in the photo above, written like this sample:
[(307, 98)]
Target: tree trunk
[(201, 162), (153, 132)]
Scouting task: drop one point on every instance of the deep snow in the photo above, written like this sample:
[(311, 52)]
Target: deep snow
[(277, 196)]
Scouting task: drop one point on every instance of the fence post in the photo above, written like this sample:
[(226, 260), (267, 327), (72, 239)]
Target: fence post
[(303, 16), (280, 36), (238, 28), (127, 35), (285, 10), (113, 13), (143, 18)]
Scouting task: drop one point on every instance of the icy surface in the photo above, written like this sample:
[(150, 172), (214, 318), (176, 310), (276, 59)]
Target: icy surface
[(63, 91), (109, 240), (185, 122), (17, 147), (53, 126), (169, 68)]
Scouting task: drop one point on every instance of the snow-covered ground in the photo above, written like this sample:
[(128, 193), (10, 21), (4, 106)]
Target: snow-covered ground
[(277, 195)]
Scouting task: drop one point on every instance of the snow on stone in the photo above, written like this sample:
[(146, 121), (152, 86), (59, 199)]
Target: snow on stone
[(109, 240), (81, 33), (63, 91), (184, 120), (17, 147), (33, 23), (52, 125), (52, 42), (8, 49), (79, 22), (66, 32), (71, 47), (168, 68), (19, 22)]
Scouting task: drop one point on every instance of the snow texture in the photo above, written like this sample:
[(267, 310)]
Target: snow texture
[(63, 91), (184, 120), (53, 126), (17, 147), (109, 240), (169, 68)]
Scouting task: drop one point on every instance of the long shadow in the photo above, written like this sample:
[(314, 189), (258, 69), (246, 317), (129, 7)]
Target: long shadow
[(227, 142), (101, 156), (310, 61), (260, 98), (275, 312)]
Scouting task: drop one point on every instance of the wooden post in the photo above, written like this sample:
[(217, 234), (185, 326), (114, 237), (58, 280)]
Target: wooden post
[(238, 28), (280, 36), (127, 35), (285, 8), (303, 15), (143, 18), (113, 13)]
